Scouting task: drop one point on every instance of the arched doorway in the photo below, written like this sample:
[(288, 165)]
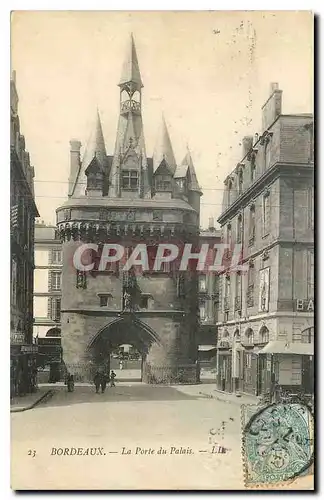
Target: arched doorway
[(107, 352)]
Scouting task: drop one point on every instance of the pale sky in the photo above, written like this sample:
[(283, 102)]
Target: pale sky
[(209, 72)]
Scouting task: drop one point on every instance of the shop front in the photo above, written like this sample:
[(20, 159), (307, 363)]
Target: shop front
[(23, 367), (224, 366), (289, 366)]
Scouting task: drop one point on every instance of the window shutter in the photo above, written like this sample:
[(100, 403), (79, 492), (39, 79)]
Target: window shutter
[(50, 281)]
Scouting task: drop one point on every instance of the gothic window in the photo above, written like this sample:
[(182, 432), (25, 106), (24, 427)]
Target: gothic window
[(310, 274), (163, 183), (130, 179), (266, 214), (264, 335), (252, 225), (239, 229)]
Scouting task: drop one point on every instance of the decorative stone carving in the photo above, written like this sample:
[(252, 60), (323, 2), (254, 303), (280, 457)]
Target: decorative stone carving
[(81, 279)]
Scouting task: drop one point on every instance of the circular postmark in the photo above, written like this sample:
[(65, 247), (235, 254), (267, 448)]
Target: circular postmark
[(278, 443)]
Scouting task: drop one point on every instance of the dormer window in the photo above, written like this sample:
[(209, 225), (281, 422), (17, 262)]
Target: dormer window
[(181, 183), (94, 181), (94, 176), (130, 179), (163, 183)]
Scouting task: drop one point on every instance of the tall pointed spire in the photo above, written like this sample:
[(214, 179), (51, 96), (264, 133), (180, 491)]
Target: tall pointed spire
[(95, 148), (163, 149), (193, 181), (130, 71)]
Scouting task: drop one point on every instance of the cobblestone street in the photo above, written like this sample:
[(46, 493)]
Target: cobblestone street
[(151, 437)]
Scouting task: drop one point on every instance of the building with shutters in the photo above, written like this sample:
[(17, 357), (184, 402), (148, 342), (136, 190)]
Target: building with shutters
[(129, 198), (47, 281), (23, 211), (208, 296), (266, 322)]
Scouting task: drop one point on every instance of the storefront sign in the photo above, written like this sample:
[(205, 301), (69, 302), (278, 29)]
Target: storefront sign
[(17, 338), (29, 349), (305, 305), (49, 341)]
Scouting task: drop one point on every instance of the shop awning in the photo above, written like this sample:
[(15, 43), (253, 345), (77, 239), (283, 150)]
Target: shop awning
[(282, 347), (206, 347)]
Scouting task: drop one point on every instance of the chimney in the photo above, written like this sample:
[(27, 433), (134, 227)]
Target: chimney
[(272, 107), (211, 224), (75, 147), (247, 143)]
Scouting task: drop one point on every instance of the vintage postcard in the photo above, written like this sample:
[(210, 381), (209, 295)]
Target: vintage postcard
[(162, 250)]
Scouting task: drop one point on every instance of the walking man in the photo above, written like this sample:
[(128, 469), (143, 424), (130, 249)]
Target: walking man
[(97, 380), (112, 378), (103, 382)]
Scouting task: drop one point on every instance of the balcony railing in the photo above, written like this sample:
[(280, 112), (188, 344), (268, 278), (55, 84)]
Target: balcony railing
[(250, 296)]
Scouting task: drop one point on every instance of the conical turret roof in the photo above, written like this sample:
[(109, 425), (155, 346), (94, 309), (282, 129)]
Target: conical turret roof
[(130, 70), (163, 149), (193, 181), (95, 148)]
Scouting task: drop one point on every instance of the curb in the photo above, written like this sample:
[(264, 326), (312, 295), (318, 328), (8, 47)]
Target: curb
[(47, 394)]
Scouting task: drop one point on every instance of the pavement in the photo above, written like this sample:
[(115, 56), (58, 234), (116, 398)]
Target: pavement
[(209, 391), (29, 401), (134, 436)]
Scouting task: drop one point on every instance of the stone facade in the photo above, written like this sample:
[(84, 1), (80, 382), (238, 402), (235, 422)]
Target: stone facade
[(22, 218), (129, 199), (268, 209)]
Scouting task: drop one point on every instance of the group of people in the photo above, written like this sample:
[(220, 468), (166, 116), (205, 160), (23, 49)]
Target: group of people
[(101, 379)]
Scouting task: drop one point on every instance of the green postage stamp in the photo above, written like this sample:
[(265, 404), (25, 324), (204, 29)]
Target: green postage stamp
[(277, 443)]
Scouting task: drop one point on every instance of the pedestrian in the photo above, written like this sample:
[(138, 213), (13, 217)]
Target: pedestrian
[(121, 364), (103, 382), (112, 378), (70, 383), (97, 380)]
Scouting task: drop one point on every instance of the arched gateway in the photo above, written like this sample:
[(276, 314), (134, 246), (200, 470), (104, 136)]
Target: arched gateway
[(124, 330)]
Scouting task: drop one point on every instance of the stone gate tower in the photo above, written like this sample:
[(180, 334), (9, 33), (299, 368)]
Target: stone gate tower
[(129, 198)]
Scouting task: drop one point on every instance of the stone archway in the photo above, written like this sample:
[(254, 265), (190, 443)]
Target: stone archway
[(124, 330)]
